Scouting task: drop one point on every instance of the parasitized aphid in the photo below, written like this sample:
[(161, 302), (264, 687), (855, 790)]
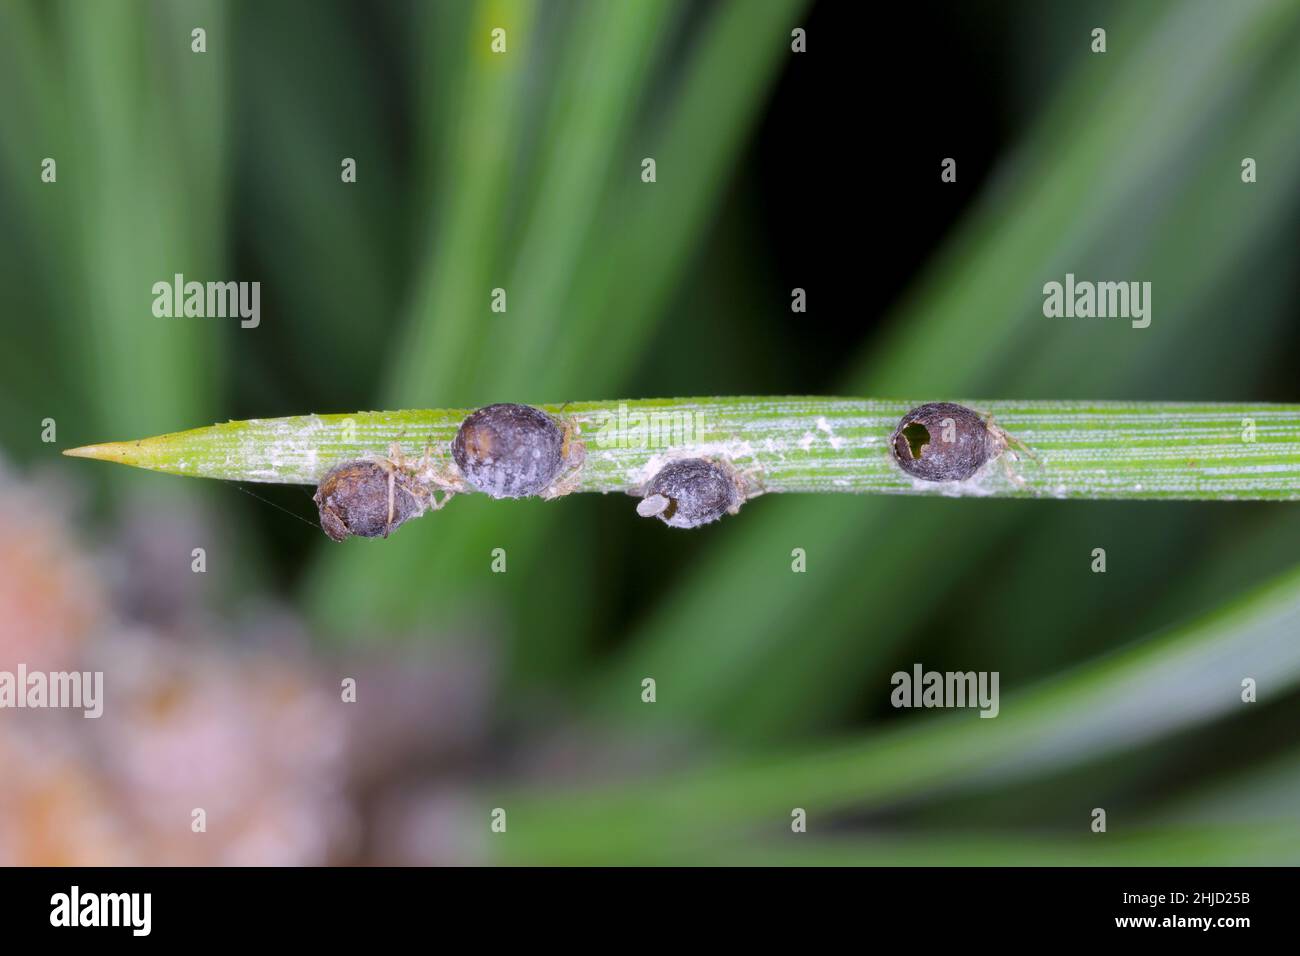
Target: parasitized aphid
[(691, 492), (944, 441), (513, 451), (369, 498)]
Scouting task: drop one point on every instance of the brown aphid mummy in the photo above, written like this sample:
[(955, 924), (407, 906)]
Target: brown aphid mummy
[(691, 492), (514, 451), (368, 498), (943, 441)]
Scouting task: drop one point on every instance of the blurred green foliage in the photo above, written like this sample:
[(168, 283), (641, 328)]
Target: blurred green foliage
[(522, 171)]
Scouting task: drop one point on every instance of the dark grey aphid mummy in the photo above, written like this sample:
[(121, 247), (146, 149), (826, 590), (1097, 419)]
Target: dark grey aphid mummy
[(509, 451), (943, 441), (367, 499), (689, 493)]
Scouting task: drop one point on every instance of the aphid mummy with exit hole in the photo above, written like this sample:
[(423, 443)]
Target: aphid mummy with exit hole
[(691, 492), (944, 441)]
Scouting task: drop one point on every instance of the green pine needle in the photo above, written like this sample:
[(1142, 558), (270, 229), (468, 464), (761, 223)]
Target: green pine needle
[(1059, 449)]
